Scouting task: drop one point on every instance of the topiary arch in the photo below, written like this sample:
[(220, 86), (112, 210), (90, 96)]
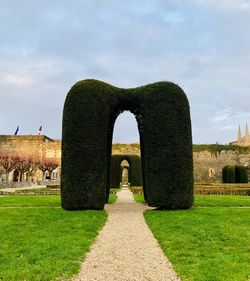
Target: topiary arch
[(234, 174), (134, 170), (162, 113)]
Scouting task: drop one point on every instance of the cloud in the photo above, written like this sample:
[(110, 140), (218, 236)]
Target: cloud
[(18, 79), (201, 45), (231, 5)]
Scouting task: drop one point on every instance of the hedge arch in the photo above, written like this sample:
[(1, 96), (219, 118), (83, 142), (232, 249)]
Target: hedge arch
[(234, 174), (134, 170), (162, 113)]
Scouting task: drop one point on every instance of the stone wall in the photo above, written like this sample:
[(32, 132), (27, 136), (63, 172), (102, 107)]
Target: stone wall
[(208, 159), (39, 145), (133, 149), (208, 166), (36, 145)]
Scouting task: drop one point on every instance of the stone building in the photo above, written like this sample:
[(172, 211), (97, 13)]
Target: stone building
[(39, 146), (242, 140), (208, 163), (208, 159)]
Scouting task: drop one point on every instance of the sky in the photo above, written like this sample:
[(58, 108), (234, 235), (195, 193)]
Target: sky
[(201, 45)]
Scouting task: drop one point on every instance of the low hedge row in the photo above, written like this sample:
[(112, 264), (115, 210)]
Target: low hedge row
[(222, 191), (208, 189)]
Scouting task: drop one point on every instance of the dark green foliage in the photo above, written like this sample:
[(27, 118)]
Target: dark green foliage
[(241, 175), (230, 174), (234, 174), (135, 177), (224, 174), (162, 113), (217, 148)]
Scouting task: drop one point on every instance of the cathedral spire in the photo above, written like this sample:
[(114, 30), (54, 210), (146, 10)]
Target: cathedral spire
[(247, 138), (239, 141)]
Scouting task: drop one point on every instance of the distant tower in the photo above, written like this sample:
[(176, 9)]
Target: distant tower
[(247, 138), (239, 141)]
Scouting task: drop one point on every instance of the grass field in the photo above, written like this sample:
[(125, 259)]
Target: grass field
[(210, 242), (41, 241), (213, 200)]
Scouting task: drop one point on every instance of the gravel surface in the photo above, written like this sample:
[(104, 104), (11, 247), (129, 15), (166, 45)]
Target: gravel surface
[(125, 249)]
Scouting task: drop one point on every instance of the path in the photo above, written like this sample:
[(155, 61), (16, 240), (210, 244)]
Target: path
[(125, 249)]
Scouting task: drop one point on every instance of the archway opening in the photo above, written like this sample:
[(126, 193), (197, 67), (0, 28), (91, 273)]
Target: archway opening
[(126, 167), (125, 129), (125, 181), (16, 175)]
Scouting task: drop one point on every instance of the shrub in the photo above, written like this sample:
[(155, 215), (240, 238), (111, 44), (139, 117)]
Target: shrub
[(241, 175), (234, 174), (57, 186), (135, 177), (162, 113), (224, 174)]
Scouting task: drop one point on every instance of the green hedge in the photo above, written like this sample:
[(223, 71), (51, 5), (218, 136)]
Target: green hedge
[(162, 113), (234, 174), (216, 149), (134, 170)]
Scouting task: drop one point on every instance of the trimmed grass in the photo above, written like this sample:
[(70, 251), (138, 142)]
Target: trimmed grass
[(139, 198), (112, 198), (38, 201), (212, 200), (41, 241), (206, 244), (30, 201), (221, 201)]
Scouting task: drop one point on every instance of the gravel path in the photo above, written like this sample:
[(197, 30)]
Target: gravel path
[(125, 249)]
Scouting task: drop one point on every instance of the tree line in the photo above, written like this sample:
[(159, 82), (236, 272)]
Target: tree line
[(26, 164)]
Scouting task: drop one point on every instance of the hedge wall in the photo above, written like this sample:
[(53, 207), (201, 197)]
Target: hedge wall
[(135, 176), (234, 174), (162, 113)]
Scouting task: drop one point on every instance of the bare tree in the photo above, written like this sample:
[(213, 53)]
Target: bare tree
[(34, 165), (8, 161), (48, 164), (23, 165)]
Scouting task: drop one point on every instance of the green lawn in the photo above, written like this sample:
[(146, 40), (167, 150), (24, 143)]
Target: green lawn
[(210, 242), (30, 201), (112, 198), (139, 198), (213, 200), (221, 201), (41, 241)]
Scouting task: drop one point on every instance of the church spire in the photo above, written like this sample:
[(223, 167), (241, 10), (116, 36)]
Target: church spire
[(239, 141), (247, 138)]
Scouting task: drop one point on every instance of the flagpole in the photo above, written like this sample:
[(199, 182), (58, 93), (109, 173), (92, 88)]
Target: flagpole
[(17, 129), (40, 130)]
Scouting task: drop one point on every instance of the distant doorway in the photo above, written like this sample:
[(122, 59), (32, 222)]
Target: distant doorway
[(124, 173), (16, 176)]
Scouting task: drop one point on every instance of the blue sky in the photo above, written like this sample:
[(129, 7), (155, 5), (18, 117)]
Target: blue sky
[(203, 46)]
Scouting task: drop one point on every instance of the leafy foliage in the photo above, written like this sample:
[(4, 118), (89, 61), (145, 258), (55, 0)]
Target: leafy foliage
[(218, 148)]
